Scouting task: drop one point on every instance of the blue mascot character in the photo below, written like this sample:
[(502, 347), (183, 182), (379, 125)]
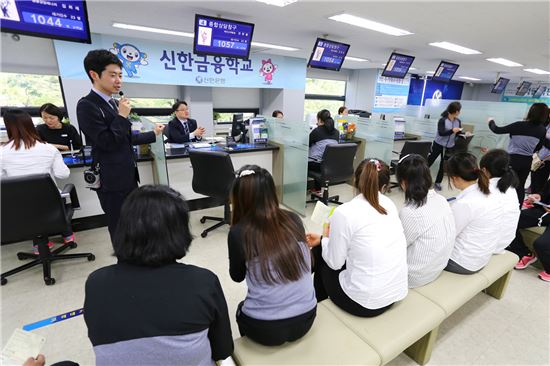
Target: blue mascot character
[(130, 56)]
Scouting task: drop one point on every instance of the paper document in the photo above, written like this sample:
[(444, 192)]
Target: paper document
[(321, 213), (199, 145), (21, 346), (542, 204)]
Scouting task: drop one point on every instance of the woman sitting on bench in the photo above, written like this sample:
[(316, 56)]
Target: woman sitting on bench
[(361, 262), (477, 216)]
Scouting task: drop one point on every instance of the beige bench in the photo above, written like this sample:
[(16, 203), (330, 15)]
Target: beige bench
[(409, 326)]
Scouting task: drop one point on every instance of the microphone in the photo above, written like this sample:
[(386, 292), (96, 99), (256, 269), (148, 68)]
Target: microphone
[(121, 93)]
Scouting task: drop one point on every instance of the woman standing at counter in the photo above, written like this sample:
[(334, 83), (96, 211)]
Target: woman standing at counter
[(53, 131), (447, 129), (526, 137)]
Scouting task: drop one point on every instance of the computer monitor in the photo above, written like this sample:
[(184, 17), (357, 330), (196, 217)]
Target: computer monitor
[(523, 88), (500, 85), (328, 55), (238, 128)]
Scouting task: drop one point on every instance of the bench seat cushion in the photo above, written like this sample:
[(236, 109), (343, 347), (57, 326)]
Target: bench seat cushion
[(499, 265), (450, 290), (329, 342), (395, 330)]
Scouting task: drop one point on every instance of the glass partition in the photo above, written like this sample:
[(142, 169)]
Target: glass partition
[(378, 136), (160, 170), (290, 166), (474, 116)]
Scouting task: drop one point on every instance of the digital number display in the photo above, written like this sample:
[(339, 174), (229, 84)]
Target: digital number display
[(65, 20), (328, 55), (222, 37), (445, 71), (398, 65)]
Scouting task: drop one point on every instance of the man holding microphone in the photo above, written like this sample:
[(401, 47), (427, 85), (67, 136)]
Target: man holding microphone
[(105, 124)]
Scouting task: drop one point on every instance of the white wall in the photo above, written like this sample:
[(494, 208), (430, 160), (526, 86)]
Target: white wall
[(290, 101), (236, 97), (481, 92), (201, 107), (361, 88)]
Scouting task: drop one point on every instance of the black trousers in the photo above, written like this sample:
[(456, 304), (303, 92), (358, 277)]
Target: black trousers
[(530, 218), (274, 332), (314, 166), (111, 203), (521, 165), (540, 177), (436, 151), (327, 284)]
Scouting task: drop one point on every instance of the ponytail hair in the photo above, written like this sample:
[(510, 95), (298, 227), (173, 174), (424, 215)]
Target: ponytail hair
[(497, 163), (452, 108), (328, 123), (370, 177), (464, 165)]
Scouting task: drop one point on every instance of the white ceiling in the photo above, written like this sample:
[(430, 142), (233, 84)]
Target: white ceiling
[(516, 30)]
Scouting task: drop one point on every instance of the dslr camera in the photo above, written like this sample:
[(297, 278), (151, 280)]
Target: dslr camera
[(91, 177)]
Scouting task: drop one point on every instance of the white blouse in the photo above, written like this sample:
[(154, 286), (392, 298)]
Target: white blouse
[(41, 158), (509, 214), (373, 248)]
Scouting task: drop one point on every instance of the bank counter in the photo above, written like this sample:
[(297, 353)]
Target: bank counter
[(171, 166)]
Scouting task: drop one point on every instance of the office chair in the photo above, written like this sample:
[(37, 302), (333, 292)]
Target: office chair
[(33, 208), (421, 148), (462, 143), (336, 168), (213, 176)]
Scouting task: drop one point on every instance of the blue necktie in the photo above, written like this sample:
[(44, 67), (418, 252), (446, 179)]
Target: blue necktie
[(186, 128)]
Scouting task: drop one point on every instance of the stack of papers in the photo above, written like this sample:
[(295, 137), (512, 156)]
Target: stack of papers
[(321, 213), (21, 346)]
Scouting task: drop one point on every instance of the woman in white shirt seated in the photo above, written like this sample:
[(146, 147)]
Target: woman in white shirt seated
[(26, 154), (476, 213), (361, 264), (502, 183), (427, 221)]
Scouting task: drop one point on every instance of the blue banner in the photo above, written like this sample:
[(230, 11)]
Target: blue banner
[(154, 62)]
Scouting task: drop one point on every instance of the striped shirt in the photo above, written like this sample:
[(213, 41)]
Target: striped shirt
[(430, 233)]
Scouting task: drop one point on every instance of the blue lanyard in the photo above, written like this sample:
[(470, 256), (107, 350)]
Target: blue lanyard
[(53, 319)]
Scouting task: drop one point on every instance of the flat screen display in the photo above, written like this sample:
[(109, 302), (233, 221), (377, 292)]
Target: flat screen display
[(523, 88), (398, 65), (539, 92), (328, 55), (500, 85), (222, 37), (445, 71), (64, 20)]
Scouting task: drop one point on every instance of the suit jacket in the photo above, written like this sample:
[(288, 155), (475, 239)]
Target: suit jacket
[(111, 138), (176, 132)]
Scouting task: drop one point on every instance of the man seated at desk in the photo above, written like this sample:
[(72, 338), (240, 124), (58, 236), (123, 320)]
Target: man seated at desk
[(183, 129)]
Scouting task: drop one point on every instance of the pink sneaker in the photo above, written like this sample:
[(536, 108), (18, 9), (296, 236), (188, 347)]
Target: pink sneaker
[(35, 247), (544, 276), (68, 239), (525, 262)]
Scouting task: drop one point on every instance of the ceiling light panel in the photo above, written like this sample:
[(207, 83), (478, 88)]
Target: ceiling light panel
[(537, 71), (469, 78), (455, 48), (503, 61), (369, 24), (279, 3), (357, 59)]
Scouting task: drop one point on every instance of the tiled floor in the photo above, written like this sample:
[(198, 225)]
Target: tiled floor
[(486, 331)]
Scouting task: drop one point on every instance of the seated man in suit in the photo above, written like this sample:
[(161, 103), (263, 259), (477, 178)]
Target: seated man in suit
[(183, 129)]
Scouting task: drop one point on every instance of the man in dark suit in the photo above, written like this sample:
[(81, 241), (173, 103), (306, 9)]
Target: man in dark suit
[(183, 129), (105, 124)]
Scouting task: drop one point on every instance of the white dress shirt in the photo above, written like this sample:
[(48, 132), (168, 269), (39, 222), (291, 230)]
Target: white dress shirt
[(509, 214), (478, 227), (192, 136), (373, 248), (430, 233), (41, 158)]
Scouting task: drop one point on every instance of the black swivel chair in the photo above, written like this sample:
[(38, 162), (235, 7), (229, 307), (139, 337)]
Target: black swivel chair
[(32, 207), (462, 143), (336, 168), (213, 176), (421, 148)]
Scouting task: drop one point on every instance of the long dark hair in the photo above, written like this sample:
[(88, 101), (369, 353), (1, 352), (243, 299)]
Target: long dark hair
[(271, 235), (52, 109), (20, 128), (413, 170), (464, 165), (497, 163), (328, 123), (371, 176), (538, 114), (452, 108)]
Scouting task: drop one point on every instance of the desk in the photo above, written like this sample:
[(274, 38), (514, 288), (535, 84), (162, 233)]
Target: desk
[(407, 137), (180, 172)]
